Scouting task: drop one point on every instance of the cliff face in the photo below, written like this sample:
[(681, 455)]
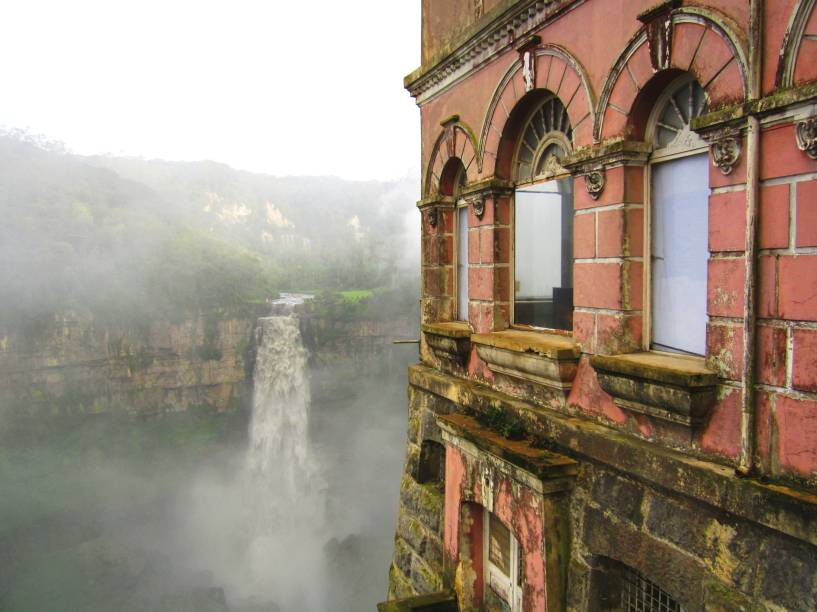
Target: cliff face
[(75, 365)]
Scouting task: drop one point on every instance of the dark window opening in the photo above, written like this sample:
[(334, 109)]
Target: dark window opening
[(432, 463)]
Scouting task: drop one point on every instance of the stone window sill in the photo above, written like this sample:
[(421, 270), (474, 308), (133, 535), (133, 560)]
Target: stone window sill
[(450, 341), (547, 359), (675, 388)]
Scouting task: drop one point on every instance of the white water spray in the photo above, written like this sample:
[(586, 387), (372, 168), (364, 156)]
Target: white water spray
[(279, 462)]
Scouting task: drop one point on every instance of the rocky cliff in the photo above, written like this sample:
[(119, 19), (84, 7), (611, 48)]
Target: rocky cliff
[(74, 365)]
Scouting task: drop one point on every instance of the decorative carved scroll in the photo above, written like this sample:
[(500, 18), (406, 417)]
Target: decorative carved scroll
[(806, 134), (478, 206), (725, 153), (594, 182)]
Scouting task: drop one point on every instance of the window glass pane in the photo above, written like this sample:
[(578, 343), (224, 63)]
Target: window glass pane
[(462, 263), (679, 254), (499, 545), (543, 247)]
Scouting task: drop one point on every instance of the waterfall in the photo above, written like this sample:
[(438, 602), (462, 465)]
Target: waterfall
[(285, 491), (279, 460)]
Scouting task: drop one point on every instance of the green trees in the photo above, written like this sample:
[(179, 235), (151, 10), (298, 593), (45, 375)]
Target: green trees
[(130, 239)]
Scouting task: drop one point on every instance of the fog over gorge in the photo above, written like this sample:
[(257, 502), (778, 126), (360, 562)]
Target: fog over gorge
[(202, 407)]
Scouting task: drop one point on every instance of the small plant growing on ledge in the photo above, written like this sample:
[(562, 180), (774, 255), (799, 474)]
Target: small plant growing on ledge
[(507, 425)]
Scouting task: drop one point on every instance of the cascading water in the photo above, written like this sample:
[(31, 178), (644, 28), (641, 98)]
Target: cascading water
[(286, 490), (279, 461)]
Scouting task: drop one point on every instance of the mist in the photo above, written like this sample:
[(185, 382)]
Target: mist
[(133, 295)]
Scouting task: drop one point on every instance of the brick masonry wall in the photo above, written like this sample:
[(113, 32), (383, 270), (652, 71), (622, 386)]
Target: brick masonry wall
[(787, 332)]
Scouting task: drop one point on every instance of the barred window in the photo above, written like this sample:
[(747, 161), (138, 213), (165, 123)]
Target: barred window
[(640, 595)]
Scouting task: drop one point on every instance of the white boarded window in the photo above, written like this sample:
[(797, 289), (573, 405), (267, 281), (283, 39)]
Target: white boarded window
[(679, 253), (504, 566), (462, 263), (679, 222)]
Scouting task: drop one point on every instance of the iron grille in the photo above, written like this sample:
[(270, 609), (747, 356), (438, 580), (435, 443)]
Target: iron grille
[(640, 595)]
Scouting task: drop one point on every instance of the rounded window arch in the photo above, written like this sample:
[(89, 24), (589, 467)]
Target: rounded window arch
[(544, 142), (677, 222), (452, 183), (668, 128), (543, 219)]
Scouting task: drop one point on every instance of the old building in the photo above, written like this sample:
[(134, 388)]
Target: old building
[(616, 402)]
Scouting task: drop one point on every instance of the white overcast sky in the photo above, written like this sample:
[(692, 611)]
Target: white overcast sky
[(263, 85)]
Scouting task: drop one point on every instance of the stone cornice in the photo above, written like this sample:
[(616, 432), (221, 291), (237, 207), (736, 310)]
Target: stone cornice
[(500, 30), (488, 187), (612, 153)]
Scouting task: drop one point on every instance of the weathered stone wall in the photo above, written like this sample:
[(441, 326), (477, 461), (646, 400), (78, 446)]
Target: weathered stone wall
[(75, 365), (417, 566), (660, 516)]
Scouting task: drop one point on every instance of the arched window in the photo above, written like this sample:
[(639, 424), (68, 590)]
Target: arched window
[(462, 251), (452, 182), (543, 220), (679, 195)]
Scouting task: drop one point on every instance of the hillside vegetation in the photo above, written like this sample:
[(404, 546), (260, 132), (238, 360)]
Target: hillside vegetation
[(131, 239)]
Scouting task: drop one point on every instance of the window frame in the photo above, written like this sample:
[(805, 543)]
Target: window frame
[(460, 183), (553, 137), (659, 156), (517, 582)]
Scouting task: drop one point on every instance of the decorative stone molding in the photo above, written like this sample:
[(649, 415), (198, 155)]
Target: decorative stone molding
[(725, 146), (450, 341), (480, 43), (432, 214), (528, 58), (806, 134), (594, 182), (658, 22), (620, 152), (478, 205), (725, 153), (674, 388), (487, 189), (544, 359)]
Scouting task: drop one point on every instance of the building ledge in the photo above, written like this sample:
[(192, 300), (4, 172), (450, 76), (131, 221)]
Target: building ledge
[(450, 329), (450, 341), (675, 388), (546, 359), (548, 466), (443, 601), (788, 510)]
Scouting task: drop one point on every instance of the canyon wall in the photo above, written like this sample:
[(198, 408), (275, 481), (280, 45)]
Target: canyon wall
[(74, 365)]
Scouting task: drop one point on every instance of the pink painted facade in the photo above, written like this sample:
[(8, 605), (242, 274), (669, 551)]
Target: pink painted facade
[(732, 420)]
